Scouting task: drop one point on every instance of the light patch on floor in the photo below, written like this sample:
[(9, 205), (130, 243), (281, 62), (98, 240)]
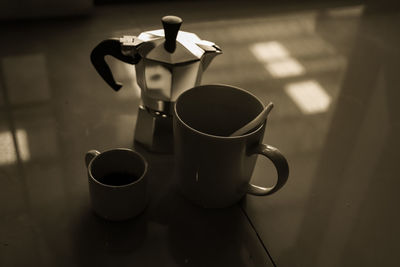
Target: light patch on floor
[(309, 96), (8, 153)]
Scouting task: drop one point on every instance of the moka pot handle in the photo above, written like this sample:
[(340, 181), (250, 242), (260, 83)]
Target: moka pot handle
[(112, 47)]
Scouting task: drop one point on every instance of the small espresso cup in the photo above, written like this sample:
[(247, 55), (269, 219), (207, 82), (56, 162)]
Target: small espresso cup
[(212, 168), (117, 183)]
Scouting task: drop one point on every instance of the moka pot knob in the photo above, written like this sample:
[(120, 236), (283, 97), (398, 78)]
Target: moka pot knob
[(171, 25)]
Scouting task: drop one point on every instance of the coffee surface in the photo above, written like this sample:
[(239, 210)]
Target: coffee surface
[(117, 178)]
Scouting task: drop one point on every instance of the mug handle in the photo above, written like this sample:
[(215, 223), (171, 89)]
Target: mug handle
[(280, 164), (91, 154)]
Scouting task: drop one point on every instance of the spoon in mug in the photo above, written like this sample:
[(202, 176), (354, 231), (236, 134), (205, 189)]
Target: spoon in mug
[(255, 122)]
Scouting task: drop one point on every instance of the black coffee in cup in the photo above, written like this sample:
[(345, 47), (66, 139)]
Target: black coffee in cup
[(117, 178)]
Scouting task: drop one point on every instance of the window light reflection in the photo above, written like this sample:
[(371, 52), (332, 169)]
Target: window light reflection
[(309, 96), (277, 59), (285, 68), (8, 153), (269, 51), (23, 146)]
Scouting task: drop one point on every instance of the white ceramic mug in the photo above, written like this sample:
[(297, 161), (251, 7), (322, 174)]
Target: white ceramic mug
[(214, 169)]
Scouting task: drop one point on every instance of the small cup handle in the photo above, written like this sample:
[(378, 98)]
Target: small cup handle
[(280, 164), (91, 154)]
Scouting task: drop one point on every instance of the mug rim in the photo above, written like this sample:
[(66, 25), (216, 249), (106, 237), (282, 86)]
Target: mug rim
[(219, 136), (124, 185)]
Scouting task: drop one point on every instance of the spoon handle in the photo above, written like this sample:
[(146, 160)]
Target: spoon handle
[(255, 122)]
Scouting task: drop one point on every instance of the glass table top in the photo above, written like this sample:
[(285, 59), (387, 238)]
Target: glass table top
[(332, 74)]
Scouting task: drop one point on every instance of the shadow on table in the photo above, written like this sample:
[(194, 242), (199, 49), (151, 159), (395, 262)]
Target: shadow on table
[(195, 236), (105, 243), (204, 237)]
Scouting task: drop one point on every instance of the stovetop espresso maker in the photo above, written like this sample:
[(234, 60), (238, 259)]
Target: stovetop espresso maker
[(167, 62)]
